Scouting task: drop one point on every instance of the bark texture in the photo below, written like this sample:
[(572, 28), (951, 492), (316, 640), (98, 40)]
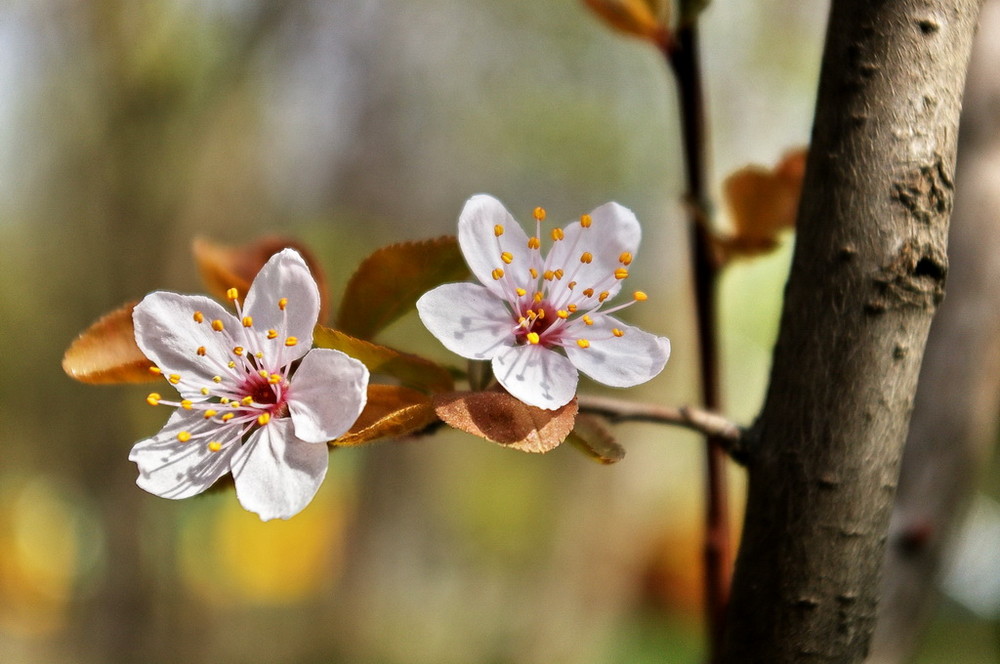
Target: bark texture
[(955, 415), (867, 275)]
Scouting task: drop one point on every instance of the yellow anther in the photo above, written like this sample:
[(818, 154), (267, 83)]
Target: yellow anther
[(558, 234), (216, 379), (559, 274), (583, 343), (262, 373), (291, 341), (259, 354), (184, 436), (572, 308), (282, 303), (618, 333), (532, 337), (520, 320), (507, 257), (209, 414), (199, 317), (247, 321), (625, 258), (548, 275), (274, 379), (238, 350), (201, 351), (588, 320), (214, 446), (497, 274), (247, 400), (588, 292), (533, 272), (272, 334), (186, 404), (541, 314), (205, 391), (585, 221), (534, 243), (621, 273), (498, 230), (586, 257), (562, 313), (155, 370), (217, 325), (231, 364), (225, 401), (153, 399), (263, 418), (538, 296), (227, 416), (233, 294), (539, 213), (603, 296), (174, 379), (640, 296), (571, 285), (521, 292)]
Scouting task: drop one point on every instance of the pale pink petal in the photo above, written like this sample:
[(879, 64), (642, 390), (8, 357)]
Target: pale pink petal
[(327, 393), (276, 473), (536, 375), (482, 248), (169, 334), (171, 469), (468, 320), (285, 275), (624, 361)]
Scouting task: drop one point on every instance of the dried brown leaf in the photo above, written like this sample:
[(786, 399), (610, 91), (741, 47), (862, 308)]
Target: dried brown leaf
[(502, 419), (594, 439), (223, 267), (392, 411), (388, 283), (106, 352)]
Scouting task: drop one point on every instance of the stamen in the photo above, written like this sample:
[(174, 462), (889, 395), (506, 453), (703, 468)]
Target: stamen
[(549, 275), (585, 221), (603, 296), (199, 317), (521, 292), (532, 337), (174, 379), (583, 343), (155, 370), (498, 230), (262, 373), (205, 391), (559, 273), (217, 325), (263, 418), (507, 257), (291, 341), (562, 313), (586, 257), (272, 334), (227, 416), (588, 292), (259, 354), (184, 436), (572, 308), (201, 351), (640, 296), (282, 303), (231, 364), (588, 320), (541, 314), (621, 273), (238, 350), (247, 400), (533, 272), (534, 243), (497, 274), (233, 294), (216, 379), (186, 404), (538, 296), (625, 258), (539, 213), (153, 399), (209, 414), (558, 234), (618, 333), (214, 446), (274, 379), (247, 321), (571, 285)]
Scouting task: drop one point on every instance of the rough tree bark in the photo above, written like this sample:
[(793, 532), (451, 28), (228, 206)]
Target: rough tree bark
[(867, 275)]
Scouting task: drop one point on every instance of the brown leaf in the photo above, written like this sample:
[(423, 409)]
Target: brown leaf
[(412, 370), (502, 419), (763, 203), (392, 411), (388, 283), (632, 17), (591, 437), (106, 352), (225, 267)]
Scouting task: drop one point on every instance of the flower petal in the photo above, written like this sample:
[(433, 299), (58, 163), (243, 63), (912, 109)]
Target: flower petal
[(536, 375), (285, 275), (326, 395), (482, 247), (624, 361), (467, 319), (276, 473), (168, 333), (614, 231), (171, 469)]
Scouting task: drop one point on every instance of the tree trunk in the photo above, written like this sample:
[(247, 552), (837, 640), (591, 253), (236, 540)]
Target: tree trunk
[(867, 275)]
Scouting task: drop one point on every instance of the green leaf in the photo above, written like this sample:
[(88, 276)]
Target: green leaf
[(500, 418), (388, 283), (105, 353), (591, 437), (391, 411), (411, 370)]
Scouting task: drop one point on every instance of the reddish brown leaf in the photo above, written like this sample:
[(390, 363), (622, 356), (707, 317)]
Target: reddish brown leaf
[(591, 437), (392, 411), (763, 203), (225, 267), (412, 370), (106, 353), (502, 419), (388, 283)]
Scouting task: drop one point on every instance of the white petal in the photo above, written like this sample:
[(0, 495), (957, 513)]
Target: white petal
[(277, 474), (614, 230), (624, 361), (468, 319), (536, 375), (285, 275), (482, 248), (167, 333), (327, 393), (171, 469)]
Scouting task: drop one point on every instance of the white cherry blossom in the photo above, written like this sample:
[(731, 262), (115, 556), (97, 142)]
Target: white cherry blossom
[(254, 399), (541, 319)]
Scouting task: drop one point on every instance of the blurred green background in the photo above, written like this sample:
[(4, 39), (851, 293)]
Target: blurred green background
[(129, 128)]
